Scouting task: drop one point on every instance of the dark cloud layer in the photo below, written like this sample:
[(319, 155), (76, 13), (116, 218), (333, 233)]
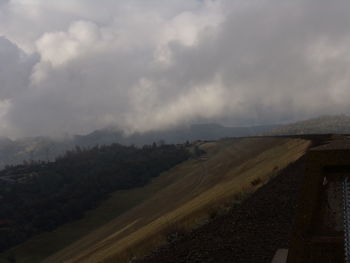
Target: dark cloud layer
[(78, 65)]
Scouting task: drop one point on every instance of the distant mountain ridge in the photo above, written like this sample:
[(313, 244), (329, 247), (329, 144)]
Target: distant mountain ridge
[(337, 124), (45, 148), (208, 131)]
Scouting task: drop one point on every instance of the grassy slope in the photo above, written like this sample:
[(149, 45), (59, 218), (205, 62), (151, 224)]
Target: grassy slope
[(184, 196)]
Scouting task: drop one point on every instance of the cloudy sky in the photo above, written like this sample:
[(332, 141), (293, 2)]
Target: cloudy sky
[(72, 66)]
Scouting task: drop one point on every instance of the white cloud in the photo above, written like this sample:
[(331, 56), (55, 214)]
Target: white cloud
[(4, 109), (60, 47), (206, 101), (186, 27), (77, 65)]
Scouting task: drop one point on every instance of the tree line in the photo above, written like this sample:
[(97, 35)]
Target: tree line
[(40, 196)]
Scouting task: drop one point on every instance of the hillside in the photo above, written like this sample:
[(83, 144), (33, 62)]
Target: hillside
[(249, 233), (334, 124), (45, 148), (40, 196), (185, 197)]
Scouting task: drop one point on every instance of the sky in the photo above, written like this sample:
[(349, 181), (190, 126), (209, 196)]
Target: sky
[(73, 66)]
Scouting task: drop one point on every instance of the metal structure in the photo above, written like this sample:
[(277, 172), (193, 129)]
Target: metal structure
[(322, 231), (346, 202)]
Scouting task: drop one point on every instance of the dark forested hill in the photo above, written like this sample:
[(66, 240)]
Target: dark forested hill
[(44, 148), (39, 196)]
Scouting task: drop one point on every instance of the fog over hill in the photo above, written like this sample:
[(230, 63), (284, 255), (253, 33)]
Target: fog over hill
[(46, 148), (338, 124)]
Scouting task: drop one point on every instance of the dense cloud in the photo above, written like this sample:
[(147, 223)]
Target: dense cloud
[(77, 65)]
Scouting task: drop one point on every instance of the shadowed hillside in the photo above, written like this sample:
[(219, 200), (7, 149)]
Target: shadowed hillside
[(40, 196), (189, 193), (249, 233)]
